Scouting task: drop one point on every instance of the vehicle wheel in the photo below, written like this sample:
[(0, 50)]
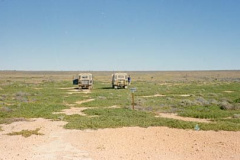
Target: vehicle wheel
[(125, 87), (116, 87)]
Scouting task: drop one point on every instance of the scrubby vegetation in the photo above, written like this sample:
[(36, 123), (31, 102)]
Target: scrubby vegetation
[(26, 133), (214, 99)]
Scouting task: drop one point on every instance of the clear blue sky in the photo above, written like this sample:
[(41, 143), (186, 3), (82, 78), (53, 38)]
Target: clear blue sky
[(119, 35)]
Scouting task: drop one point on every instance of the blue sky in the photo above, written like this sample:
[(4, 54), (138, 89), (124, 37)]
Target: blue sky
[(118, 35)]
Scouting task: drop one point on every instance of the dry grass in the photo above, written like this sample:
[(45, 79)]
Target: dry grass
[(105, 76)]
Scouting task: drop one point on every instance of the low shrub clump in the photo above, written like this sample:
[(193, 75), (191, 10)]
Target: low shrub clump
[(228, 106), (26, 133), (5, 109), (237, 100)]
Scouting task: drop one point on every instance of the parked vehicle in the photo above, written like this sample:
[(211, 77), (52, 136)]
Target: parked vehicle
[(84, 80), (119, 80)]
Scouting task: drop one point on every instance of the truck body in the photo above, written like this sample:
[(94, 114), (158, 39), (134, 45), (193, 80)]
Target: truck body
[(84, 80), (119, 80)]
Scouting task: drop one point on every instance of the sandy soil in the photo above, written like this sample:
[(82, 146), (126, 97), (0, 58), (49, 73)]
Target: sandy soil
[(175, 116), (73, 110), (79, 110), (228, 91), (185, 95), (74, 90), (78, 91), (156, 95), (162, 95), (130, 143), (38, 88), (84, 101)]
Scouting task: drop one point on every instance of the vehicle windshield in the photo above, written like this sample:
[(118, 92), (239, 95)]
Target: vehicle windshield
[(121, 76), (84, 77)]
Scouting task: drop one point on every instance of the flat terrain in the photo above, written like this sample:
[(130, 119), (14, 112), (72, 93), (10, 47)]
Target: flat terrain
[(121, 143), (178, 115)]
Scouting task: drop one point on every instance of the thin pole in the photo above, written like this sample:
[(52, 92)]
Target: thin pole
[(133, 101)]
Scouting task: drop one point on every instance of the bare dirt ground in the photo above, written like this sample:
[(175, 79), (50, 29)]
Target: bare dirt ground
[(74, 90), (129, 143), (156, 95), (76, 110), (161, 95), (84, 101), (228, 91), (175, 116)]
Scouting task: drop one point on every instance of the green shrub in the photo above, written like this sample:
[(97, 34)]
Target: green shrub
[(26, 133), (237, 100)]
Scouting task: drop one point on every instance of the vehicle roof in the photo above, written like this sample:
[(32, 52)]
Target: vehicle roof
[(84, 74), (120, 74)]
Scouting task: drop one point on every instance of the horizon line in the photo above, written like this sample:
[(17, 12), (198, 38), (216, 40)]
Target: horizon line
[(116, 70)]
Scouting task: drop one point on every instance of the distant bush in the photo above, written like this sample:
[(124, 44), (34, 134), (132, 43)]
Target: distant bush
[(236, 116), (22, 96), (186, 102), (22, 99), (213, 101), (212, 94), (228, 106), (237, 106), (237, 100), (201, 101), (3, 97), (5, 109)]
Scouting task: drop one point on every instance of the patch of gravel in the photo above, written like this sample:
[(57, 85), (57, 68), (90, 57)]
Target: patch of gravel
[(126, 143)]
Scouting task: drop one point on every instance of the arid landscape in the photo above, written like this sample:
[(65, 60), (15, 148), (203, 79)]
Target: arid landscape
[(178, 115), (119, 80)]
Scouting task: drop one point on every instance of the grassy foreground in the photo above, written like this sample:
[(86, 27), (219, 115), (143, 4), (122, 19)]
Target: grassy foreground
[(218, 100)]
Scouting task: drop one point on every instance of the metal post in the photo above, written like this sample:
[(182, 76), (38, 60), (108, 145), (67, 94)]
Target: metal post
[(133, 101), (133, 90)]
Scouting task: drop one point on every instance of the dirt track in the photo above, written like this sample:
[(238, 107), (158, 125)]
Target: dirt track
[(122, 143)]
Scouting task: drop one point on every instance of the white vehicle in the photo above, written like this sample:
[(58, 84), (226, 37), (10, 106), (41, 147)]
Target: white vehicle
[(84, 80), (119, 80)]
